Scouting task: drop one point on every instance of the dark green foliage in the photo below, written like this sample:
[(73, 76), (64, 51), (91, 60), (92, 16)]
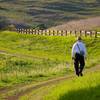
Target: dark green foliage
[(38, 26), (83, 94), (3, 23)]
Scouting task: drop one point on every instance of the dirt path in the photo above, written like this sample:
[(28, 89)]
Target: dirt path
[(20, 55), (82, 24), (47, 83)]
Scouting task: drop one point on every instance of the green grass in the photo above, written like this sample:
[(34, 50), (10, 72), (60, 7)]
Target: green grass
[(85, 88), (37, 58)]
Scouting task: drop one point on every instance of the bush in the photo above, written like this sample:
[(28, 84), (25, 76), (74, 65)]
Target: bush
[(11, 27), (39, 26), (3, 23)]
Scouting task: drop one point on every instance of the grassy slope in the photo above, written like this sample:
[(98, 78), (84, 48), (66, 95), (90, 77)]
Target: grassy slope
[(42, 56), (50, 12), (82, 88), (75, 88)]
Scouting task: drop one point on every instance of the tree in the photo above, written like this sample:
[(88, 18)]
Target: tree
[(3, 23), (11, 27), (41, 27)]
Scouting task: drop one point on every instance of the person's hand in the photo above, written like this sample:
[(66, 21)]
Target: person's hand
[(85, 58), (73, 58)]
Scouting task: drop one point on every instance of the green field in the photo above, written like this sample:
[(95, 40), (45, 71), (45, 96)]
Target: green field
[(30, 58), (71, 89), (49, 12), (85, 88)]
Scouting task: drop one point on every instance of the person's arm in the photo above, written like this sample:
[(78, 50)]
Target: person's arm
[(73, 51), (85, 51)]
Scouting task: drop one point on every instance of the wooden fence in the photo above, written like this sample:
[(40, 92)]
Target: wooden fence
[(59, 32)]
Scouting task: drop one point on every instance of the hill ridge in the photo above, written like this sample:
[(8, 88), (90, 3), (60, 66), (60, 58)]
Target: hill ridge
[(83, 24)]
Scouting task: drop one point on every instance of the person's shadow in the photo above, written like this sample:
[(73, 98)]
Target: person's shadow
[(84, 94)]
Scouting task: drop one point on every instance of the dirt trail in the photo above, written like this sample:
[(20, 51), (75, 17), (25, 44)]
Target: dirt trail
[(47, 83), (20, 55), (82, 24)]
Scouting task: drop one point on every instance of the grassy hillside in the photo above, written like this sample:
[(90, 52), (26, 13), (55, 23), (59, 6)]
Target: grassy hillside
[(82, 88), (49, 12), (73, 88), (26, 58)]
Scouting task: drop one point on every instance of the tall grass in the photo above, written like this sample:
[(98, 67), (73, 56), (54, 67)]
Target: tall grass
[(15, 70)]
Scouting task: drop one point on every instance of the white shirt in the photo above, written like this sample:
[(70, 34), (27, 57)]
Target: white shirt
[(75, 48)]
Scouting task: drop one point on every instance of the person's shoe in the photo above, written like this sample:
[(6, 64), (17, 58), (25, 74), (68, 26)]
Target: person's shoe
[(81, 74), (77, 74)]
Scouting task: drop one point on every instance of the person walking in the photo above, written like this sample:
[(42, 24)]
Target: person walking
[(79, 55)]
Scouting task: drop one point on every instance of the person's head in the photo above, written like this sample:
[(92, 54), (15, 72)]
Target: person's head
[(79, 38)]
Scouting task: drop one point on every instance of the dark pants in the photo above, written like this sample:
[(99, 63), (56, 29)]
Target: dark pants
[(79, 63)]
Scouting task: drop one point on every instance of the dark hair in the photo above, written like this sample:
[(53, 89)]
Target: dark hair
[(79, 38)]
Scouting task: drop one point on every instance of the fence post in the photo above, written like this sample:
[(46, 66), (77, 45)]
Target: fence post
[(85, 33), (53, 32), (19, 30), (35, 32), (23, 31), (70, 32), (75, 33), (42, 32), (26, 31), (61, 32), (57, 32), (90, 33), (66, 33), (50, 32), (46, 31), (29, 31), (96, 34), (38, 32), (80, 33), (32, 31)]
